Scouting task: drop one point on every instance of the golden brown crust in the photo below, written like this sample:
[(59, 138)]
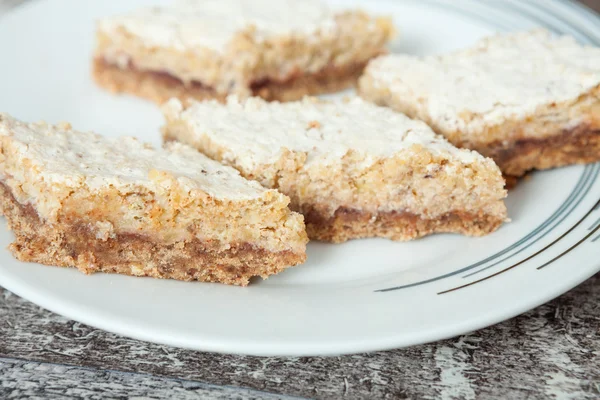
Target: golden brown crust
[(160, 87), (72, 245), (348, 224), (579, 145)]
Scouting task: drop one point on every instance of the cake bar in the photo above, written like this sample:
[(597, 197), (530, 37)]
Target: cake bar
[(528, 100), (77, 199), (279, 50), (352, 168)]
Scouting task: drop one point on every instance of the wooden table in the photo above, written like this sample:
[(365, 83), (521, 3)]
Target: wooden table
[(550, 352)]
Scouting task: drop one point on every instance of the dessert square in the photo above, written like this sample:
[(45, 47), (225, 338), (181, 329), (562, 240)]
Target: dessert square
[(352, 168), (77, 199), (279, 50), (528, 100)]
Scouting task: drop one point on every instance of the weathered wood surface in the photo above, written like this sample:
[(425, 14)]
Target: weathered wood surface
[(552, 351), (25, 379)]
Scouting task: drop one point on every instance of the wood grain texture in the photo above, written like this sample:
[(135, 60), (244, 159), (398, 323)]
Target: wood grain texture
[(593, 4), (550, 352), (24, 379)]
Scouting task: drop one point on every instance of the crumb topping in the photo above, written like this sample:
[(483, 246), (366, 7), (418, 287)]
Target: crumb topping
[(188, 24), (60, 155), (500, 78), (255, 132)]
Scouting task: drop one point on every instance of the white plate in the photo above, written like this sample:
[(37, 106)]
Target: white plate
[(359, 296)]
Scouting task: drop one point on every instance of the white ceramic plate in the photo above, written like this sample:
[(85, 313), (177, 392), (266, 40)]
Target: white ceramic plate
[(359, 296)]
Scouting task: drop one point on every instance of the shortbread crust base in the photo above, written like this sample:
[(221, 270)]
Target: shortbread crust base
[(160, 87), (348, 224), (579, 145), (69, 245)]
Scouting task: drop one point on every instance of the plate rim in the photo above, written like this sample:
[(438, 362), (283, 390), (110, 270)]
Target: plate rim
[(324, 349)]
